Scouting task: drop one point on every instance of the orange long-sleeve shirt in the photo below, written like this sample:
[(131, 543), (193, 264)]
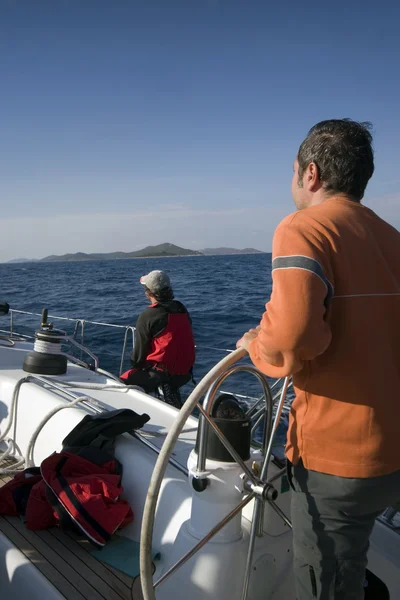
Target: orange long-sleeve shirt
[(333, 321)]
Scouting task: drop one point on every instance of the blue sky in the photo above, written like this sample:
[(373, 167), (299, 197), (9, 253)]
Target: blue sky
[(130, 122)]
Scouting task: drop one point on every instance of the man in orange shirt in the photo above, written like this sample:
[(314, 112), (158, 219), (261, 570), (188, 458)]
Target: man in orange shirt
[(333, 322)]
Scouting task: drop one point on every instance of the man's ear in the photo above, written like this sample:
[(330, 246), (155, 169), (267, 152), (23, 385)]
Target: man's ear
[(311, 177)]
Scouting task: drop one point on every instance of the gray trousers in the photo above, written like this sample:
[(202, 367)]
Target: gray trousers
[(332, 521)]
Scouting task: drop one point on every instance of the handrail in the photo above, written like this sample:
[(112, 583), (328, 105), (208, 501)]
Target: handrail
[(72, 339), (74, 319), (80, 323), (132, 330), (83, 322)]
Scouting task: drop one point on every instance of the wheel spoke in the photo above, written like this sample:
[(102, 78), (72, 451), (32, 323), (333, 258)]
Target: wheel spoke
[(257, 513), (205, 539), (280, 513), (268, 451)]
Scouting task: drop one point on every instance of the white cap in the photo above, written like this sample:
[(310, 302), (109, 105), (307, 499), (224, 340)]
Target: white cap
[(156, 281)]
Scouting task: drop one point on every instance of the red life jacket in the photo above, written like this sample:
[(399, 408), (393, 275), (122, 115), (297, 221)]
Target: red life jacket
[(72, 489), (88, 494), (174, 348)]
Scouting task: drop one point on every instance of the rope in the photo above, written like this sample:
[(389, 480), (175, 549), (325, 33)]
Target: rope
[(24, 462), (11, 452), (27, 461), (8, 340), (47, 347), (31, 444)]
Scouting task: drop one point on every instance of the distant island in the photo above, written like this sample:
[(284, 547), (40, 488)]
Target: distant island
[(217, 251), (159, 251), (23, 260)]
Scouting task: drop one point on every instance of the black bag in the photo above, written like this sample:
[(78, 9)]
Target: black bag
[(94, 437)]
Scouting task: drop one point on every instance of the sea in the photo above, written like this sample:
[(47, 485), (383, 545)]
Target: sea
[(225, 296)]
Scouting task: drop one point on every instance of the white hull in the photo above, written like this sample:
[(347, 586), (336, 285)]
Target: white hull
[(217, 570)]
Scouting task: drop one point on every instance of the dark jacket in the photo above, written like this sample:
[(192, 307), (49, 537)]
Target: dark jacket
[(164, 339)]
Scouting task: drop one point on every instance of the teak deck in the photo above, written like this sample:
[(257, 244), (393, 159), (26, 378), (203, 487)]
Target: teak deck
[(65, 560)]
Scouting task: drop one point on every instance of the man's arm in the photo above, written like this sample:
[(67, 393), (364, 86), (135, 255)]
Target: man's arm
[(294, 328), (142, 340), (149, 325)]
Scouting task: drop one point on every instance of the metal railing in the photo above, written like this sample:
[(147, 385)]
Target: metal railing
[(256, 405), (80, 330)]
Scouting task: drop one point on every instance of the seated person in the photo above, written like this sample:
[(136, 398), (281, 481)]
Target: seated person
[(164, 350)]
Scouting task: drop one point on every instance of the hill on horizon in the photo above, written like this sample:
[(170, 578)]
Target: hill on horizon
[(23, 260), (161, 250), (158, 251), (225, 250)]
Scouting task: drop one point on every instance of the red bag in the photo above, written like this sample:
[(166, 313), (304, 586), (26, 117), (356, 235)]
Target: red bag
[(86, 494)]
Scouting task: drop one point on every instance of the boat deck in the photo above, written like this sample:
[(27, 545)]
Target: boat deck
[(65, 560)]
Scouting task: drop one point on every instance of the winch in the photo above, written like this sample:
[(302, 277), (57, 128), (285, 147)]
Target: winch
[(47, 357)]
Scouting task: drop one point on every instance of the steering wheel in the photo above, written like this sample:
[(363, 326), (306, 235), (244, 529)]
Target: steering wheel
[(146, 569), (259, 489)]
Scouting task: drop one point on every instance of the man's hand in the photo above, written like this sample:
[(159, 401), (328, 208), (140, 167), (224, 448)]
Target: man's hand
[(248, 337)]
